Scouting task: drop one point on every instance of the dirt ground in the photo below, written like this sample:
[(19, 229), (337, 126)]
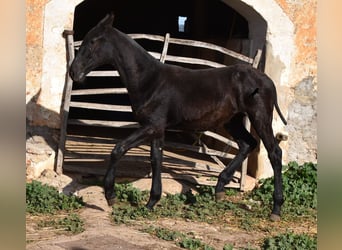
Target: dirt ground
[(100, 232)]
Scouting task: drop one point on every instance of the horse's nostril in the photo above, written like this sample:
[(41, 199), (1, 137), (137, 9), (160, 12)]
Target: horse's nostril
[(81, 76)]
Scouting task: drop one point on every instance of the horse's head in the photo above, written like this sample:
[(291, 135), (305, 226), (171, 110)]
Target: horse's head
[(94, 51)]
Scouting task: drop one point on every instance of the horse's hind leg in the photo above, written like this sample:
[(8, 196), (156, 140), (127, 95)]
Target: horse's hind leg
[(156, 164), (264, 129), (246, 144)]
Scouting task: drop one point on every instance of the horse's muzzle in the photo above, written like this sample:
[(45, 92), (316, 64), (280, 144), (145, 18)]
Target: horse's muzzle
[(77, 77)]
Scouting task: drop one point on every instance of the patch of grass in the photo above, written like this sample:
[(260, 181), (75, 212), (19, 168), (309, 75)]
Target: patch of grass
[(250, 212), (128, 193), (199, 207), (290, 241), (44, 199), (123, 213), (231, 191), (299, 187), (187, 241), (300, 192), (71, 223)]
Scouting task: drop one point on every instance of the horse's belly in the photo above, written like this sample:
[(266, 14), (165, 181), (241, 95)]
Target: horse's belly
[(207, 121)]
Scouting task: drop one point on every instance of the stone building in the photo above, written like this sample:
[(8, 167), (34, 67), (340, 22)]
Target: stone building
[(285, 29)]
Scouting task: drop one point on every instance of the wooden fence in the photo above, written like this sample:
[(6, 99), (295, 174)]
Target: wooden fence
[(163, 56)]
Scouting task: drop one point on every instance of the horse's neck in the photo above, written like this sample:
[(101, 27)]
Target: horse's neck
[(135, 66)]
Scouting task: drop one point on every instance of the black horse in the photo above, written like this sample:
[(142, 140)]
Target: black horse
[(166, 96)]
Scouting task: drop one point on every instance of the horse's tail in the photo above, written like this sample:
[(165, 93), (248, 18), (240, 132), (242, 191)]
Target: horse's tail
[(279, 112)]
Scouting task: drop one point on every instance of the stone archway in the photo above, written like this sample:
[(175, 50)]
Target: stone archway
[(264, 21)]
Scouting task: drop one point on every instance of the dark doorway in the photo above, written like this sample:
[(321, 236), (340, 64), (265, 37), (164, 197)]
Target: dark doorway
[(205, 20)]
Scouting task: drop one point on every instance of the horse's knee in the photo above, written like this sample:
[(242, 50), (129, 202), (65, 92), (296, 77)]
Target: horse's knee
[(247, 144), (117, 152), (275, 156)]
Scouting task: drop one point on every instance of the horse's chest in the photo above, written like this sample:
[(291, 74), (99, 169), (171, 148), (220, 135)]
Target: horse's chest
[(151, 112)]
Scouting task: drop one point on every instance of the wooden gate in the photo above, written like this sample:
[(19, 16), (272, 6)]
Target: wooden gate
[(195, 161)]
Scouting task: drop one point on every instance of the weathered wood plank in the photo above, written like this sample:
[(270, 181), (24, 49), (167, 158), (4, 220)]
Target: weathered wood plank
[(257, 58), (221, 138), (66, 104), (99, 91), (212, 47), (165, 48), (190, 60), (199, 149), (100, 106), (102, 123), (147, 36), (106, 73), (89, 155)]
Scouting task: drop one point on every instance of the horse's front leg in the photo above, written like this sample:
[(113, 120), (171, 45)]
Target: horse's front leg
[(136, 138), (156, 164)]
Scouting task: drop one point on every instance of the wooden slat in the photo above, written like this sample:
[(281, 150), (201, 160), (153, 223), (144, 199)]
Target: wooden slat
[(257, 58), (207, 150), (100, 106), (199, 149), (99, 91), (212, 47), (190, 60), (103, 73), (165, 48), (147, 36), (66, 103), (101, 123), (221, 138)]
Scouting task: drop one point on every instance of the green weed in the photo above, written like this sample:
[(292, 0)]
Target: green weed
[(290, 241), (126, 192), (71, 223), (300, 192), (299, 187), (186, 241), (41, 198), (199, 207)]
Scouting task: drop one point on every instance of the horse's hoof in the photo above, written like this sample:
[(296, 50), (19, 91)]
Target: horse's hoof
[(111, 202), (275, 217), (149, 208), (220, 196)]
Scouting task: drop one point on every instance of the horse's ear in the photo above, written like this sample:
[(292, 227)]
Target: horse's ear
[(107, 20)]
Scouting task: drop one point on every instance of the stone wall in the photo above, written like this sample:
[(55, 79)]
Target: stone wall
[(302, 105), (34, 55)]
